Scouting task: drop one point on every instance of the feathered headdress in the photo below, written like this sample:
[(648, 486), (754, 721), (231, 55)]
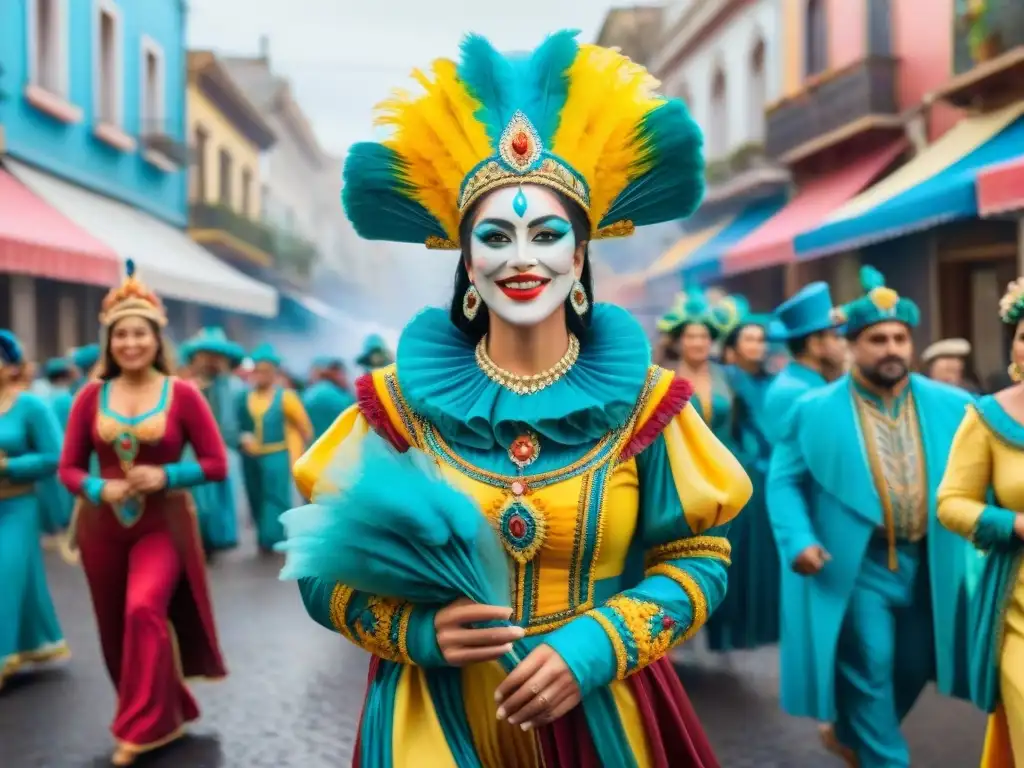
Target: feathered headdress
[(131, 299), (581, 119), (691, 306), (1011, 306), (879, 304)]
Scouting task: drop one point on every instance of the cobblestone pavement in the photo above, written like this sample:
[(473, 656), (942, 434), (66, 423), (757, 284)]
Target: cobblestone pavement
[(294, 693)]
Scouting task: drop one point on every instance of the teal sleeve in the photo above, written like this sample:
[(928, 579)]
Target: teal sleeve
[(392, 629), (684, 581), (44, 440), (788, 510), (92, 487), (184, 474), (994, 527)]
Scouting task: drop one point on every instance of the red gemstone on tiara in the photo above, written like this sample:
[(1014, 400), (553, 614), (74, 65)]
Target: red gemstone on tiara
[(520, 144)]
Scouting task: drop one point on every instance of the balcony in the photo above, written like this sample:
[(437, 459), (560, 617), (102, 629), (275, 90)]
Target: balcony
[(232, 236), (295, 257), (835, 109), (988, 57), (162, 147), (746, 171)]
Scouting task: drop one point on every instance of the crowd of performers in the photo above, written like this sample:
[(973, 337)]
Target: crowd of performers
[(779, 478), (133, 465)]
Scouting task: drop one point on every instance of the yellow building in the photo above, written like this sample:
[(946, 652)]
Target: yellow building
[(227, 135)]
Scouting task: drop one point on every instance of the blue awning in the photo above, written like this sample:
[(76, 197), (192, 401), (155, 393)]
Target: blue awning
[(936, 186), (705, 264)]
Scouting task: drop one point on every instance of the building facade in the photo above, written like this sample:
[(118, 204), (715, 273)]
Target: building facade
[(93, 135)]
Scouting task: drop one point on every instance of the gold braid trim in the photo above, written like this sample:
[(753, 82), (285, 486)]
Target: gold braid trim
[(340, 598), (696, 595), (379, 641), (715, 547)]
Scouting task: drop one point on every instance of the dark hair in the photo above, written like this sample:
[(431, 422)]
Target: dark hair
[(798, 346), (477, 327), (733, 337), (108, 368)]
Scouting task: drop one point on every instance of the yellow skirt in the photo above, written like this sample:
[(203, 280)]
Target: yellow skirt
[(1004, 739)]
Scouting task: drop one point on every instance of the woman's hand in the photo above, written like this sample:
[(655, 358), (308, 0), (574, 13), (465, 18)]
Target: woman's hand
[(247, 443), (1018, 526), (115, 491), (146, 479), (462, 644), (539, 691)]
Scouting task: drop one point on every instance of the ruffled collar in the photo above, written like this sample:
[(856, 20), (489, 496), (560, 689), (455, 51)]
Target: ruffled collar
[(440, 380)]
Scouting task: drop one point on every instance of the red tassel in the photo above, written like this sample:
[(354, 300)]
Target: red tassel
[(671, 405), (373, 411)]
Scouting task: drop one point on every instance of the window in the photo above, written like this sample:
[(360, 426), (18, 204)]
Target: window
[(246, 192), (108, 64), (48, 45), (225, 178), (718, 138), (816, 38), (152, 87), (758, 92), (879, 27), (202, 142)]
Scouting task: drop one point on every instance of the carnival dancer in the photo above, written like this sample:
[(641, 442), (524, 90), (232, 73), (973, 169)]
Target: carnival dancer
[(55, 502), (135, 523), (546, 409), (211, 357), (982, 499), (275, 431), (29, 450), (375, 354), (749, 615), (328, 394), (851, 495)]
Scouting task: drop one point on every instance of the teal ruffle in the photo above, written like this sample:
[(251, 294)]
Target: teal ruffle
[(441, 381)]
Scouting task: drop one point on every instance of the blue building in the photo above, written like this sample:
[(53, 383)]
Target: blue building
[(92, 130)]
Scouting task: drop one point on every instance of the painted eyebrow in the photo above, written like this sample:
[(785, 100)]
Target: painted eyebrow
[(498, 223), (550, 217), (507, 226)]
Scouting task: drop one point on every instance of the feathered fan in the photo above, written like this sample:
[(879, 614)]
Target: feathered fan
[(395, 528)]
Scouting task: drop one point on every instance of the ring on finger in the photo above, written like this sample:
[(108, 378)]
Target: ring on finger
[(540, 699), (535, 690)]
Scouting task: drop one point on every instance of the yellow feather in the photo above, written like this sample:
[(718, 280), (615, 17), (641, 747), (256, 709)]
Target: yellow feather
[(609, 95), (438, 137)]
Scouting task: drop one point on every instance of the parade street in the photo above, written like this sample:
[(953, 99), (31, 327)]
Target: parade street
[(295, 690)]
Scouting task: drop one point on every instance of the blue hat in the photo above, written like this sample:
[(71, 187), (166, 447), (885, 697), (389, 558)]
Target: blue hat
[(375, 353), (327, 361), (809, 311), (57, 366), (265, 353), (86, 357), (11, 352), (731, 313), (879, 304), (215, 341)]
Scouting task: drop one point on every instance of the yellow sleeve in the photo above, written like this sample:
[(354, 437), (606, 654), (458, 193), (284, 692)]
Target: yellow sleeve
[(711, 483), (347, 430), (963, 494), (295, 414)]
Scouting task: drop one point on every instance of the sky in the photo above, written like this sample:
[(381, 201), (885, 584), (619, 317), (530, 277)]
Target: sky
[(344, 56)]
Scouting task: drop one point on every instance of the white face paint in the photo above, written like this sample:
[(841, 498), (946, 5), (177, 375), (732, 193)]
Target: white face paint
[(522, 254)]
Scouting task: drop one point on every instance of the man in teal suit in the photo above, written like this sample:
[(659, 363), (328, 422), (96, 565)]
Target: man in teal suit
[(874, 588), (328, 394), (807, 323)]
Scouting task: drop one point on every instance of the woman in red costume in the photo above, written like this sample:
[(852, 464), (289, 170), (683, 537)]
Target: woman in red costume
[(135, 523)]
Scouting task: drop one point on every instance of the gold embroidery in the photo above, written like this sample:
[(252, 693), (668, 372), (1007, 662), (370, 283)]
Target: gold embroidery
[(644, 631), (689, 585), (377, 639), (716, 547), (621, 659), (340, 599)]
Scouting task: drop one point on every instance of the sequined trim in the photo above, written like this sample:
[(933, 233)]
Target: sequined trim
[(716, 547), (689, 585), (642, 632)]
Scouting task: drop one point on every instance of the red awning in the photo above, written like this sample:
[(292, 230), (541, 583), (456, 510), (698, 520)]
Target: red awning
[(772, 243), (36, 240), (1001, 188)]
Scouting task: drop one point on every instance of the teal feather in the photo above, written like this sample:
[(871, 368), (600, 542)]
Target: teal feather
[(672, 144), (129, 267), (870, 278), (537, 83), (379, 200)]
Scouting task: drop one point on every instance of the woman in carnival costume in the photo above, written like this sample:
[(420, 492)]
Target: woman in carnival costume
[(135, 523), (29, 450), (375, 354), (328, 395), (546, 409), (749, 615), (275, 431), (982, 499), (211, 357), (55, 503)]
